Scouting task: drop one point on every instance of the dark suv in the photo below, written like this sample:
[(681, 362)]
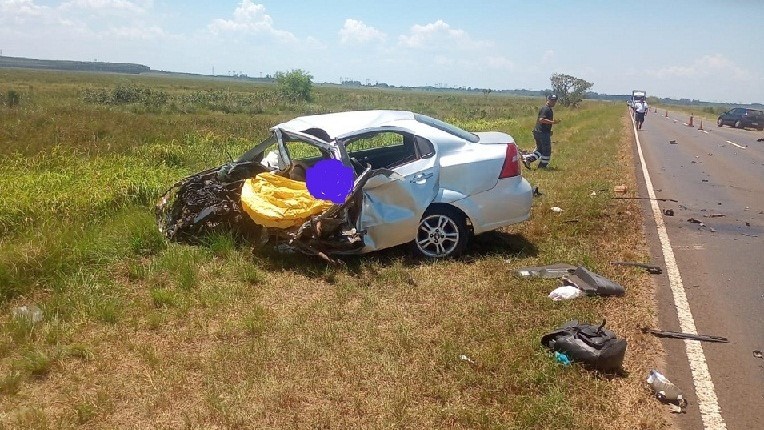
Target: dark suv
[(742, 118)]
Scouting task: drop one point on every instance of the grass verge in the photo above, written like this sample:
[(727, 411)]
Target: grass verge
[(141, 333)]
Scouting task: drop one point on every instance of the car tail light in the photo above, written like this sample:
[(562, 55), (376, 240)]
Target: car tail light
[(511, 162)]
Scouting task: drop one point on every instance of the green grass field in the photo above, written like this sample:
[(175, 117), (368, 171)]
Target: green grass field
[(141, 333)]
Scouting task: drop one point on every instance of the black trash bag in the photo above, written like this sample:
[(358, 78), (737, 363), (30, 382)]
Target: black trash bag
[(594, 346)]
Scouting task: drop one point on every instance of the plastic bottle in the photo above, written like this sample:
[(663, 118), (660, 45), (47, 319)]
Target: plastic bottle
[(666, 391)]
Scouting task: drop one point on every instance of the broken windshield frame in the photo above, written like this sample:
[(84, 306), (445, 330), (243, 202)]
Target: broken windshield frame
[(335, 151), (280, 137), (255, 154)]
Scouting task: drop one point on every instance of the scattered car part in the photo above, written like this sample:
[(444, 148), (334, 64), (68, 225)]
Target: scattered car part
[(645, 198), (575, 276), (557, 270), (593, 284), (680, 335), (655, 270)]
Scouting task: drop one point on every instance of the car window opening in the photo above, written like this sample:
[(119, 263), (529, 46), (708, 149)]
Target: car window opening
[(301, 156), (387, 149)]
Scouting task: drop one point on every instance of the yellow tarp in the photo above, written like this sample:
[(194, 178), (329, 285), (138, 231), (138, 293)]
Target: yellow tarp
[(276, 201)]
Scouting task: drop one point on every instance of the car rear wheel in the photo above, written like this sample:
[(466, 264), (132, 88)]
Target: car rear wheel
[(719, 122), (738, 124), (442, 233)]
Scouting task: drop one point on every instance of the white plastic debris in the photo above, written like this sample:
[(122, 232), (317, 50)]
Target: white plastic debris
[(463, 357), (566, 292), (32, 313), (556, 209), (666, 391)]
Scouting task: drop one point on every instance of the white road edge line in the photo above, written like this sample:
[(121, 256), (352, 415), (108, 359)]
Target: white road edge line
[(733, 143), (704, 386)]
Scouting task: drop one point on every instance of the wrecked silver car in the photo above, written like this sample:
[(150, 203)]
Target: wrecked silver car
[(415, 180)]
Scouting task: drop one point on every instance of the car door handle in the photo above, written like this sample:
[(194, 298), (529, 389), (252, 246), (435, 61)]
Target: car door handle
[(421, 177)]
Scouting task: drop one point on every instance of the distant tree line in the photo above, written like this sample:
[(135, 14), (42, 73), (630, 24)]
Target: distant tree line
[(84, 66)]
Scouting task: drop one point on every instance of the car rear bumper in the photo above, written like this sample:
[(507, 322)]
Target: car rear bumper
[(486, 213)]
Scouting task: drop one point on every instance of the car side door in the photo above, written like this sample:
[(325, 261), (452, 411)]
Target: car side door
[(395, 199)]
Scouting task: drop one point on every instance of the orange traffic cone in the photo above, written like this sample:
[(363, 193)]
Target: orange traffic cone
[(690, 124)]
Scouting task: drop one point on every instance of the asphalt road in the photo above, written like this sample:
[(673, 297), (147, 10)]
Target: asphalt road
[(717, 177)]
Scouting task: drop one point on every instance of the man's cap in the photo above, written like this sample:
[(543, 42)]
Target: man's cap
[(551, 97)]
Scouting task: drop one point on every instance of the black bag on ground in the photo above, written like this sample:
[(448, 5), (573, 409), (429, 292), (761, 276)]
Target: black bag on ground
[(594, 346)]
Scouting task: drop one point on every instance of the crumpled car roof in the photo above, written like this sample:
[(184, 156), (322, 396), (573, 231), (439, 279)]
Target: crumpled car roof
[(341, 123)]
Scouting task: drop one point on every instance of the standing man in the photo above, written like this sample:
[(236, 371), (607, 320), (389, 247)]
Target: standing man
[(542, 134), (640, 109)]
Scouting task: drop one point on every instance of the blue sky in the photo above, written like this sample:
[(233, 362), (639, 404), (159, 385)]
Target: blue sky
[(705, 50)]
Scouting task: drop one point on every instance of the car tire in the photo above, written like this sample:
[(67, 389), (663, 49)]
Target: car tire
[(719, 122), (442, 233), (738, 124)]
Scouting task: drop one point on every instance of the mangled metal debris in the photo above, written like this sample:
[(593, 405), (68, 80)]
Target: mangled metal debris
[(211, 201), (681, 335), (654, 270), (579, 277), (557, 270), (205, 203)]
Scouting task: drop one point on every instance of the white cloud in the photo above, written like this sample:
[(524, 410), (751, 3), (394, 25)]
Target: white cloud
[(104, 6), (708, 65), (441, 60), (439, 35), (249, 18), (19, 10), (138, 33), (356, 32), (499, 62)]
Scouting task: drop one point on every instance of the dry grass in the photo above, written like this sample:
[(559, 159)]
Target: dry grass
[(172, 336)]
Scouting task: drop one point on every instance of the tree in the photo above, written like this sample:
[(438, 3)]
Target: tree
[(295, 84), (570, 90)]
